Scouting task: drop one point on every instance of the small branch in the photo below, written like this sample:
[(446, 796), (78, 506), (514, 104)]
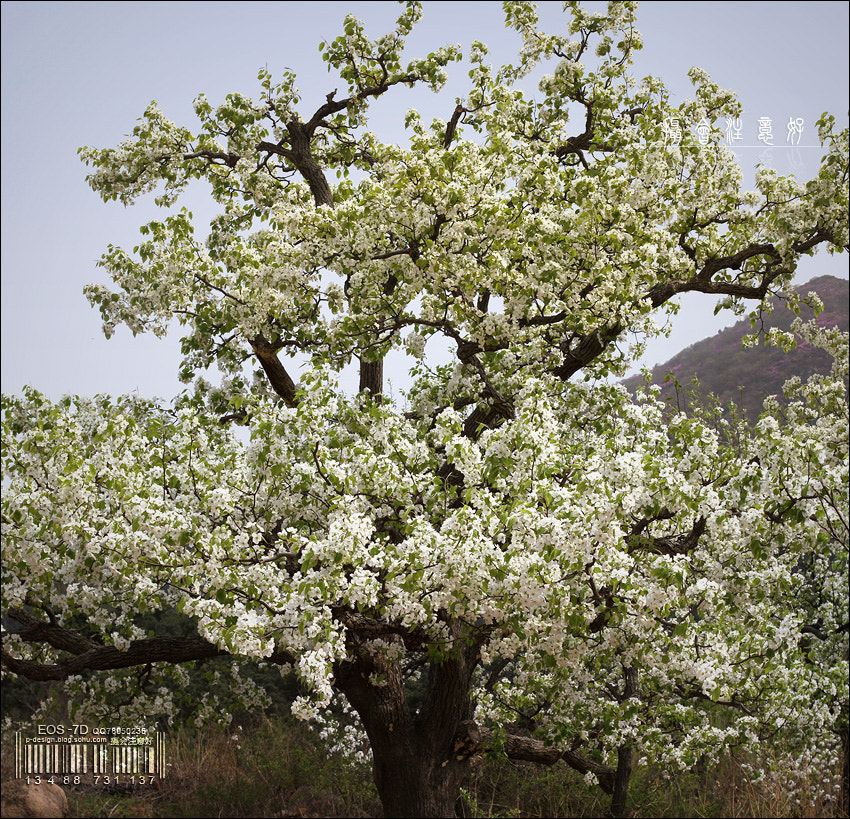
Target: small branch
[(228, 159)]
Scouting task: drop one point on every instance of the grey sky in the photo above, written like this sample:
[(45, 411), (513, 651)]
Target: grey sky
[(77, 74)]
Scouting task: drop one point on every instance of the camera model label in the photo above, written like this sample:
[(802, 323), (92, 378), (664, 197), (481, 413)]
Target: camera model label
[(100, 751)]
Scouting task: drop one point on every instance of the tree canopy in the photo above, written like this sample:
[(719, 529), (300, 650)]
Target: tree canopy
[(556, 570)]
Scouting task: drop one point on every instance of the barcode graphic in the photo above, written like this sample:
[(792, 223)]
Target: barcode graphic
[(77, 758)]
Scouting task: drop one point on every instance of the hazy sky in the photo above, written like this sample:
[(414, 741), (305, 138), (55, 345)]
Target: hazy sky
[(81, 73)]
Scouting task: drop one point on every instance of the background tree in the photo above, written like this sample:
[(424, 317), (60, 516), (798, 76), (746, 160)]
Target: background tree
[(537, 551)]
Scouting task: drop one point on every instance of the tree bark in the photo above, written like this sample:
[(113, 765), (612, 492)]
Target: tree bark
[(843, 807), (89, 655), (372, 377), (625, 759), (278, 377), (371, 372), (419, 759), (625, 753)]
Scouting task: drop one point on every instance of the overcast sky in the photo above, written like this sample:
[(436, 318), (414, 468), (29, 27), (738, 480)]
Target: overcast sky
[(81, 73)]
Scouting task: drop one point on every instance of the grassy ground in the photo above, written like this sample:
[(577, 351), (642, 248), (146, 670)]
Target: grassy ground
[(279, 769)]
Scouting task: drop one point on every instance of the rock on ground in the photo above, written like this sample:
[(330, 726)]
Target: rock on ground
[(22, 801)]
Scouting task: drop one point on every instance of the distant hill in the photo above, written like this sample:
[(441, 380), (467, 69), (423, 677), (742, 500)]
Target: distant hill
[(745, 377)]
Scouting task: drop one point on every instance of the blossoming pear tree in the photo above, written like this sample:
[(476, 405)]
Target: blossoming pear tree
[(562, 574)]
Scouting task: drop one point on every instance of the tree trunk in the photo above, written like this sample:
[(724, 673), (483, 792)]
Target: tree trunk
[(843, 807), (413, 784), (372, 378), (621, 780), (625, 753), (419, 759)]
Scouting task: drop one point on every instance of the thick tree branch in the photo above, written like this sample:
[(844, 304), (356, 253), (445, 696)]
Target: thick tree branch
[(590, 346), (92, 656), (452, 126), (593, 344), (671, 546), (302, 157), (533, 750), (584, 141), (278, 377), (372, 377), (332, 106), (368, 628), (229, 159)]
